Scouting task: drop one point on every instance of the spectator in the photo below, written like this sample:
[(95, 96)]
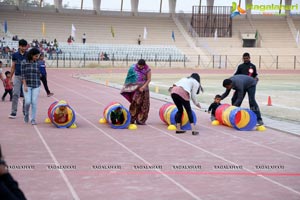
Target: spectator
[(18, 59), (83, 38), (7, 86), (31, 84), (43, 71)]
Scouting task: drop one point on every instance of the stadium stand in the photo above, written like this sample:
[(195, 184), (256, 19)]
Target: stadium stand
[(277, 46)]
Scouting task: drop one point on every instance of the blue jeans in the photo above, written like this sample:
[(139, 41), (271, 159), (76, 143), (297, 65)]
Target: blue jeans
[(31, 97)]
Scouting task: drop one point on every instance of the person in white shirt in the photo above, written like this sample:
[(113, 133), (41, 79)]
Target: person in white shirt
[(182, 92)]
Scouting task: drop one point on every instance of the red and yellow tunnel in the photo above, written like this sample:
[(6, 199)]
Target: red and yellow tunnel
[(167, 114), (61, 115), (242, 119)]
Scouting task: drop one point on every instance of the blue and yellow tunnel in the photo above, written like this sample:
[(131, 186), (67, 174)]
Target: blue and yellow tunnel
[(167, 114), (116, 115)]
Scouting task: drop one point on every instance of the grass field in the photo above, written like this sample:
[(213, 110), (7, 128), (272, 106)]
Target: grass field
[(283, 89)]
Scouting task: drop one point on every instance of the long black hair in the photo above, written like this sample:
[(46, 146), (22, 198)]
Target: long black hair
[(31, 53), (197, 78)]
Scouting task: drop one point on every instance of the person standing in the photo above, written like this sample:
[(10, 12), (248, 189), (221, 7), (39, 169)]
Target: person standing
[(243, 84), (246, 68), (136, 91), (18, 59), (30, 74), (182, 92), (83, 38), (42, 66), (7, 86)]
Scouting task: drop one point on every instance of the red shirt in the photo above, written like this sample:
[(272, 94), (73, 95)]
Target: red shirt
[(7, 84)]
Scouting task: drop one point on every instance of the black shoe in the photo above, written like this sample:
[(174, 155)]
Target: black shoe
[(260, 122), (12, 116), (180, 131), (195, 133)]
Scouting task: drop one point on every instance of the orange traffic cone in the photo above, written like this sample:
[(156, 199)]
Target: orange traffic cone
[(269, 101)]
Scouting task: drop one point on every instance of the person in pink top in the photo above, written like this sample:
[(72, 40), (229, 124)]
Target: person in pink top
[(182, 92), (8, 87)]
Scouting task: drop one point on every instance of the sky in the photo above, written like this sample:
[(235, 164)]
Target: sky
[(154, 5)]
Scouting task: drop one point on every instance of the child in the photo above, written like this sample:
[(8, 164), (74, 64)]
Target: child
[(7, 86), (117, 116), (43, 71), (61, 115), (213, 107)]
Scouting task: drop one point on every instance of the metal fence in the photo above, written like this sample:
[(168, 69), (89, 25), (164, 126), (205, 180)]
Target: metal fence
[(280, 62)]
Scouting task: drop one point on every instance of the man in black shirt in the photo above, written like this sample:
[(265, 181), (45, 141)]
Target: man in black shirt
[(246, 68)]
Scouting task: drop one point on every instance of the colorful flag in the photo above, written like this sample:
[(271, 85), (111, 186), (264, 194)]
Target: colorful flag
[(297, 38), (112, 31), (145, 33), (216, 34), (256, 34), (173, 36), (73, 31), (5, 26), (43, 29)]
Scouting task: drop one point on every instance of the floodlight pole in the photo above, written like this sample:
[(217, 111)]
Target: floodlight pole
[(81, 4), (160, 6), (121, 5)]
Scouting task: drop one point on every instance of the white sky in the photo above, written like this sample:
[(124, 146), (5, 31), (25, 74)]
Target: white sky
[(154, 5)]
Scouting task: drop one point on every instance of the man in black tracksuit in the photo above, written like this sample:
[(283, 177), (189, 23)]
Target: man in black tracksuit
[(247, 68), (243, 84)]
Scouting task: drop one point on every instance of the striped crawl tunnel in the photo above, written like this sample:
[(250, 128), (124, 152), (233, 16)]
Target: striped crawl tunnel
[(107, 116), (61, 115), (167, 114), (242, 119)]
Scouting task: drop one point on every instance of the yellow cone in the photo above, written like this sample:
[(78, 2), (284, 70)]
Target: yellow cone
[(132, 127), (215, 123), (102, 121), (171, 127), (261, 128), (73, 126), (47, 120)]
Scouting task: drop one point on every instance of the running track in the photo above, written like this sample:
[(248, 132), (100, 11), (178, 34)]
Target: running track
[(37, 148)]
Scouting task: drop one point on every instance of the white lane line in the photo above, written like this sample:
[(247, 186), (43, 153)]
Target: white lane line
[(141, 158), (65, 178), (246, 140), (249, 141), (226, 160), (186, 142)]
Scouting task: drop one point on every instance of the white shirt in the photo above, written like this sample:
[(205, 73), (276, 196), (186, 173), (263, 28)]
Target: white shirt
[(191, 86)]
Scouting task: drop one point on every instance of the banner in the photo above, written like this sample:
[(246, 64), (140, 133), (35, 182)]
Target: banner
[(112, 31), (73, 31), (145, 33), (297, 38), (43, 29), (216, 34), (5, 26), (173, 36)]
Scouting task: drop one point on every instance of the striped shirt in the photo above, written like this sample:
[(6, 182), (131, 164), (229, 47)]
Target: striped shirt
[(31, 73)]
